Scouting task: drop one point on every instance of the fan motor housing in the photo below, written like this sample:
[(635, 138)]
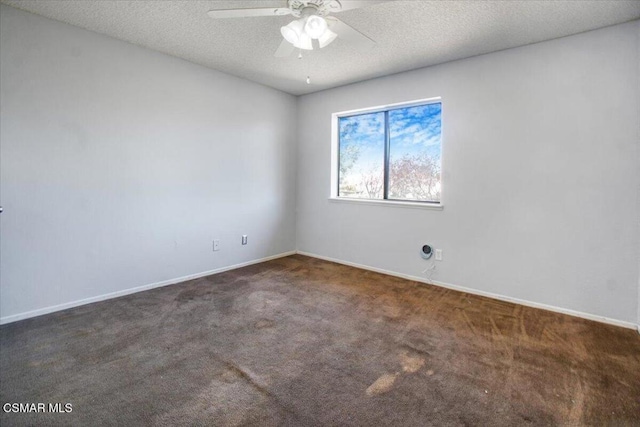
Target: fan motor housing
[(318, 7)]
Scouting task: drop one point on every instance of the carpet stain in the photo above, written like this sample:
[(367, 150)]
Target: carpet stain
[(382, 384), (264, 323), (411, 364), (229, 376)]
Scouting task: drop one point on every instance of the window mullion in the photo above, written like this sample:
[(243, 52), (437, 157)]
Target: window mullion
[(387, 149)]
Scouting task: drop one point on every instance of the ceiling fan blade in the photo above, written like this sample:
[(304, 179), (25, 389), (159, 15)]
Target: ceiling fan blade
[(285, 49), (349, 34), (244, 13), (342, 5)]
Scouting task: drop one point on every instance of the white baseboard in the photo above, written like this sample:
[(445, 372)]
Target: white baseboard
[(567, 311), (59, 307)]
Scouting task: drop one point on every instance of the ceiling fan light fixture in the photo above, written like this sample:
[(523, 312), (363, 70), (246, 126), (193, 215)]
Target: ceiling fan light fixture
[(315, 26), (327, 38), (313, 20)]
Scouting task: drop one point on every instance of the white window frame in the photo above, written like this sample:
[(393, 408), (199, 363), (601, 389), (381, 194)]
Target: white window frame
[(335, 159)]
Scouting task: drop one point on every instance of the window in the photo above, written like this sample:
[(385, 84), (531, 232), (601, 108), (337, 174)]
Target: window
[(391, 153)]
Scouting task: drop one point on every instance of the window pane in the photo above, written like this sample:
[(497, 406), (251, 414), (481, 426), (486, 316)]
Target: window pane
[(415, 153), (361, 149)]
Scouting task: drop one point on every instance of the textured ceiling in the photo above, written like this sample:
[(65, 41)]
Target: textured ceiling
[(409, 34)]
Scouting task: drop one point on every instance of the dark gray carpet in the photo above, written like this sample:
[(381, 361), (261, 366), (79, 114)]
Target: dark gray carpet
[(301, 342)]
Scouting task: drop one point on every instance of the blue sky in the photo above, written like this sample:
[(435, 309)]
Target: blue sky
[(413, 130)]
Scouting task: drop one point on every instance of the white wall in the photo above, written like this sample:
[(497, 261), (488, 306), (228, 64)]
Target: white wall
[(120, 165), (540, 172)]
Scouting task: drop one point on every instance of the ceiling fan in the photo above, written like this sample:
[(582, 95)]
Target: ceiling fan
[(312, 25)]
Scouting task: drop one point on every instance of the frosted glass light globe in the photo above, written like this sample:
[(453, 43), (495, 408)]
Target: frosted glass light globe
[(315, 26), (292, 32), (327, 38), (304, 42)]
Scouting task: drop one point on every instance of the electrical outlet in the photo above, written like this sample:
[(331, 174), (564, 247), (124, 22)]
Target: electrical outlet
[(216, 245), (244, 239), (438, 254)]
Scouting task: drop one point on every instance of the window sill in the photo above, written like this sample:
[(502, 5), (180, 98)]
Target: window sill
[(389, 203)]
